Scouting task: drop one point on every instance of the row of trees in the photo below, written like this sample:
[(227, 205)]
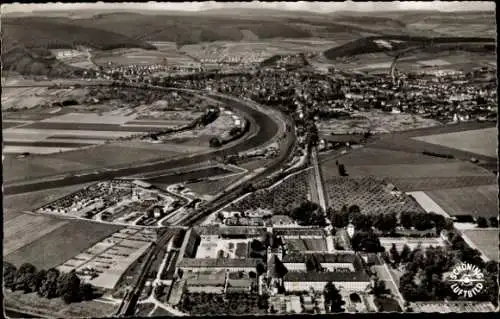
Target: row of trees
[(48, 284), (387, 223)]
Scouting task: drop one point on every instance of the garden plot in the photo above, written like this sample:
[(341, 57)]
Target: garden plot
[(306, 244), (371, 194), (106, 261), (234, 249)]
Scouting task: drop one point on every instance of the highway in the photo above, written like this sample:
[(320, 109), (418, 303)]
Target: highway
[(267, 129)]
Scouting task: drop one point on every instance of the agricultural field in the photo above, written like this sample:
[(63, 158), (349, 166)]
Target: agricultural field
[(17, 99), (254, 164), (136, 56), (56, 307), (485, 240), (95, 157), (375, 121), (52, 248), (64, 119), (452, 169), (254, 51), (437, 183), (374, 63), (280, 198), (212, 187), (476, 200), (369, 193), (407, 141), (483, 141), (14, 204)]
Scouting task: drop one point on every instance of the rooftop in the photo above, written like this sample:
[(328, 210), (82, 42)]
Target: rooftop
[(322, 258), (356, 276), (299, 232), (217, 263), (231, 230)]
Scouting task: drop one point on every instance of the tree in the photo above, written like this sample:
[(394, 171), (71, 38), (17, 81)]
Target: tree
[(215, 142), (312, 264), (87, 291), (362, 222), (379, 288), (333, 299), (405, 253), (405, 220), (48, 288), (257, 245), (24, 277), (386, 222), (68, 287), (493, 222), (9, 274), (159, 291), (260, 268), (342, 170), (354, 209), (395, 254), (38, 280), (482, 222), (367, 242)]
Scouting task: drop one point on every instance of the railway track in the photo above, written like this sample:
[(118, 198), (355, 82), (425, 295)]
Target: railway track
[(127, 307)]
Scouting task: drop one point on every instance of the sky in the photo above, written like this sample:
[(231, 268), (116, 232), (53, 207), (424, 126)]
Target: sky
[(300, 5)]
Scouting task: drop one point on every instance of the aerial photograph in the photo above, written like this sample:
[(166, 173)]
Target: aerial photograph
[(211, 158)]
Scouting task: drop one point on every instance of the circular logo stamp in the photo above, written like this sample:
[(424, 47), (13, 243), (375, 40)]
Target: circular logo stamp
[(467, 280)]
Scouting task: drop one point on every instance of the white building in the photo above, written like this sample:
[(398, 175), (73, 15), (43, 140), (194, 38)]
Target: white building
[(304, 281)]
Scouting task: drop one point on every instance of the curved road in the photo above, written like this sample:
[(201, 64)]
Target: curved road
[(268, 128)]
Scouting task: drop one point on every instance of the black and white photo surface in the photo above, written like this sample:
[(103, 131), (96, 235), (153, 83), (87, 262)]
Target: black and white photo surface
[(264, 158)]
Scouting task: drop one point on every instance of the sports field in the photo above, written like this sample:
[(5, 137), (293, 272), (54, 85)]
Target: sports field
[(482, 141)]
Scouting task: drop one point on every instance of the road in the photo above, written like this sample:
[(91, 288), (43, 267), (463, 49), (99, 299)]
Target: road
[(267, 129), (318, 185), (385, 274)]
